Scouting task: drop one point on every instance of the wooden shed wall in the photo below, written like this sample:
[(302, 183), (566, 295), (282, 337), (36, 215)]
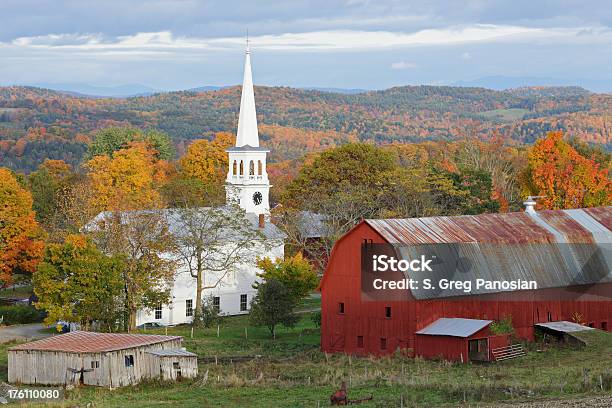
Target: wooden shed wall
[(52, 367)]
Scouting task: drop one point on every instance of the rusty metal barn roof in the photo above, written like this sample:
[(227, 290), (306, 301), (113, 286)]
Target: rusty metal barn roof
[(555, 248), (455, 327), (91, 342)]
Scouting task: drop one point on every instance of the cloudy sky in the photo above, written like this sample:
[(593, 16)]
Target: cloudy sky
[(368, 44)]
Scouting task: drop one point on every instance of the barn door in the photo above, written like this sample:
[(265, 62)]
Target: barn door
[(337, 342)]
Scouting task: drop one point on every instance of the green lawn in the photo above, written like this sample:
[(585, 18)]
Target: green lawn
[(292, 372), (16, 292)]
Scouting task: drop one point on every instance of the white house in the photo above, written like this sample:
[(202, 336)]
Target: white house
[(248, 186)]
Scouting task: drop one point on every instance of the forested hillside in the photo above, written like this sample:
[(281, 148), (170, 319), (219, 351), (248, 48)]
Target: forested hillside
[(36, 123)]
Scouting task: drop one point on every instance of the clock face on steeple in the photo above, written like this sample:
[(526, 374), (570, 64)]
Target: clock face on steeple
[(257, 198)]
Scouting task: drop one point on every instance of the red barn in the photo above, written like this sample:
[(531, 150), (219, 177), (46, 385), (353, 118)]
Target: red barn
[(525, 245)]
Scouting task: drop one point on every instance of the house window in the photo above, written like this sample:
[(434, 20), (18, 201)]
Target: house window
[(604, 326), (217, 303), (129, 360), (341, 307), (383, 343), (360, 341), (243, 303), (189, 307), (158, 312), (95, 364), (388, 312)]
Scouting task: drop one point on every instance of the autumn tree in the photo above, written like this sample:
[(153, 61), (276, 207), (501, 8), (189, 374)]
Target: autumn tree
[(144, 243), (213, 242), (130, 179), (112, 139), (207, 162), (47, 184), (296, 273), (21, 239), (78, 283), (568, 180)]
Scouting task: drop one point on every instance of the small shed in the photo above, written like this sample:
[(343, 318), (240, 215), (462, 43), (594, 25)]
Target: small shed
[(563, 331), (103, 359), (457, 339), (173, 364)]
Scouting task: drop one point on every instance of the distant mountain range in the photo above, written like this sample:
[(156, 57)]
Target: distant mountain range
[(503, 82), (36, 123)]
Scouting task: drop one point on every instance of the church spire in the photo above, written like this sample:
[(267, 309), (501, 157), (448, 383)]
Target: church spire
[(247, 122)]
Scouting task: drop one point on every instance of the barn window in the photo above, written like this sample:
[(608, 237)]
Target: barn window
[(591, 324), (158, 312), (383, 343), (243, 303), (360, 341), (217, 303), (604, 326), (129, 360), (549, 315), (341, 307), (388, 312), (176, 365), (189, 307), (95, 364)]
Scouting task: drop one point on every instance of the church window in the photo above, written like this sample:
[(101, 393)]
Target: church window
[(158, 312), (234, 168), (189, 307), (251, 168), (217, 302), (243, 303), (241, 168), (259, 167)]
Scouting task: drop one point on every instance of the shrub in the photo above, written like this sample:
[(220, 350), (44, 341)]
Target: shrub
[(210, 313), (20, 314), (503, 326)]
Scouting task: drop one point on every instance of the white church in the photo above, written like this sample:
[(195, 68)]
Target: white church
[(248, 186)]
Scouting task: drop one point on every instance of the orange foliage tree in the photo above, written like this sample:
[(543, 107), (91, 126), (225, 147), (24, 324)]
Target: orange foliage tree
[(128, 180), (21, 239), (568, 180)]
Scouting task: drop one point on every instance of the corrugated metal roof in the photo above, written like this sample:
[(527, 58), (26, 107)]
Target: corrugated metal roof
[(173, 219), (553, 248), (173, 353), (91, 342), (564, 326), (455, 327)]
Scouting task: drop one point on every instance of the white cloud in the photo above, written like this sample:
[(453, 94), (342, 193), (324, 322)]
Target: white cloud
[(164, 43), (403, 65)]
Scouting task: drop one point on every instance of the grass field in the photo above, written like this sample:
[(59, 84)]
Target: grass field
[(505, 115), (291, 372)]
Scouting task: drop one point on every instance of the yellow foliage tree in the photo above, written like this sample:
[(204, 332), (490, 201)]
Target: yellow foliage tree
[(207, 160), (128, 180)]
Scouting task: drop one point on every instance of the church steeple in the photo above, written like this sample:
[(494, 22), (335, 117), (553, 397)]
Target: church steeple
[(247, 181), (247, 122)]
